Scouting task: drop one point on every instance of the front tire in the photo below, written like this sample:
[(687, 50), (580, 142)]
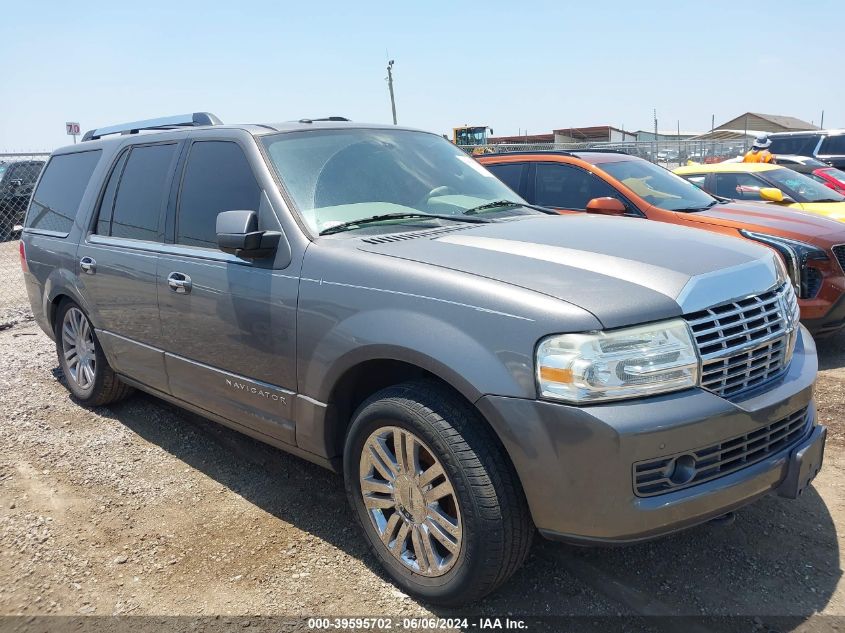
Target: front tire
[(435, 494), (87, 372)]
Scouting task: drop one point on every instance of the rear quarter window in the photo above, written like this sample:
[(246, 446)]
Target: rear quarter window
[(55, 202)]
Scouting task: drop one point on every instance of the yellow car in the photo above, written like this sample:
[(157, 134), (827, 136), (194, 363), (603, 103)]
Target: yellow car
[(768, 183)]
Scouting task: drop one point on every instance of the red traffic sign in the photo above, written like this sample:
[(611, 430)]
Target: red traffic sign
[(72, 128)]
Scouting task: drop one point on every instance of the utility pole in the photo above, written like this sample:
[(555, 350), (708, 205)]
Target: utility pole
[(390, 86), (745, 137), (656, 145), (679, 143)]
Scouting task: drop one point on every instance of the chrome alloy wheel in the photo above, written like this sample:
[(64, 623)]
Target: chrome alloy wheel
[(78, 348), (410, 501)]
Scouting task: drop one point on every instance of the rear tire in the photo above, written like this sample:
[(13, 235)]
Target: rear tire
[(87, 372), (444, 511)]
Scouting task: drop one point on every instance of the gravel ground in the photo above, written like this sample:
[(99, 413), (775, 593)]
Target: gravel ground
[(144, 509)]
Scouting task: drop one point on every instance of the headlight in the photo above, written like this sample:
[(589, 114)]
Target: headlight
[(795, 254), (627, 363)]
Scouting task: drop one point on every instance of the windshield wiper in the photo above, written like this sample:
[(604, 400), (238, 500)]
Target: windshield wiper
[(337, 228), (694, 209), (499, 204)]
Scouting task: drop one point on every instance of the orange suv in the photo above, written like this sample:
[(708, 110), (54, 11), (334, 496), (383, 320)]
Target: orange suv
[(613, 183)]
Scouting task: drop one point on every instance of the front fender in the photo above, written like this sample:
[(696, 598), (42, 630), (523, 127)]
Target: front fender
[(459, 357)]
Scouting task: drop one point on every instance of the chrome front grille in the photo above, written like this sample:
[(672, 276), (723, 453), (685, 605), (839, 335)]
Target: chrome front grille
[(839, 251), (746, 343), (667, 474)]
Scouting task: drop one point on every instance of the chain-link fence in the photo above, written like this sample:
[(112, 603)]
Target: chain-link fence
[(18, 173), (668, 153)]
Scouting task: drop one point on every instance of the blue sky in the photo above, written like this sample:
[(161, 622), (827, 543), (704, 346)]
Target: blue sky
[(510, 65)]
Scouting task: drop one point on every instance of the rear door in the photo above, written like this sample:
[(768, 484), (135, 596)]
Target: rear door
[(118, 261), (229, 324)]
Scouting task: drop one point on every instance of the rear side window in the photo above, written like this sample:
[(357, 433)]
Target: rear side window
[(217, 178), (833, 145), (141, 193), (803, 145), (56, 200), (509, 173)]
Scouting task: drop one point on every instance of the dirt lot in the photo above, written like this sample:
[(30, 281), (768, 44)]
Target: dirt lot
[(141, 508)]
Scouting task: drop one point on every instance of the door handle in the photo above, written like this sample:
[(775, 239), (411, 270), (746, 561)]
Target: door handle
[(179, 283), (88, 265)]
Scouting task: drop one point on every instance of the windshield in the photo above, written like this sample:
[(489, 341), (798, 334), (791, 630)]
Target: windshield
[(339, 176), (830, 172), (800, 187), (659, 186)]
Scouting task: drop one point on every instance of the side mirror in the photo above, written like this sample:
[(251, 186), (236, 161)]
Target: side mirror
[(238, 234), (607, 206), (771, 194)]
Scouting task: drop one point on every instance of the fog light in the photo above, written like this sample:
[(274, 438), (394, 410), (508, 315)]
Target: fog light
[(681, 469)]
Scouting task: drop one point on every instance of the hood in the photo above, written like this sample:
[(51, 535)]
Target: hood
[(622, 270), (830, 210), (763, 217)]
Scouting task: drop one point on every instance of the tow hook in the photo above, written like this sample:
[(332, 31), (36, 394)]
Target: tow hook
[(723, 520)]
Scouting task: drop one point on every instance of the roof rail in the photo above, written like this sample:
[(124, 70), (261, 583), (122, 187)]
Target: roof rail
[(325, 118), (552, 152), (602, 150), (163, 123)]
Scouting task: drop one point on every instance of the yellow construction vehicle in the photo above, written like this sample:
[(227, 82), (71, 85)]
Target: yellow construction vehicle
[(469, 135)]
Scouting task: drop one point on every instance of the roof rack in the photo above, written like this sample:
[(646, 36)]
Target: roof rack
[(162, 123), (325, 118)]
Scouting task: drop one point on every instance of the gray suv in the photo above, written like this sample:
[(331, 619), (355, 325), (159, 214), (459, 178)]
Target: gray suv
[(373, 300)]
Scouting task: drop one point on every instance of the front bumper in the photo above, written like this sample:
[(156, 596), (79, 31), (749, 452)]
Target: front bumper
[(575, 463), (832, 322)]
